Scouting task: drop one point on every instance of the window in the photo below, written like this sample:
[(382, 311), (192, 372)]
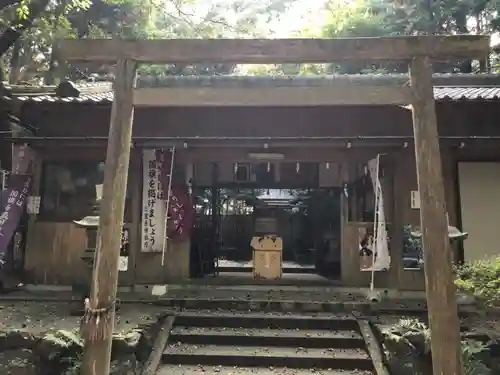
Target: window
[(70, 191)]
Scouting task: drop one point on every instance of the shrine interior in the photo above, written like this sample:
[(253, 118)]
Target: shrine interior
[(295, 208)]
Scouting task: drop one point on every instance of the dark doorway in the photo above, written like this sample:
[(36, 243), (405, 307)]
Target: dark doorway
[(308, 220)]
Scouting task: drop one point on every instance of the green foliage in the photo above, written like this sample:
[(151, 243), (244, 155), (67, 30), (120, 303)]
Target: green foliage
[(132, 19), (473, 351), (482, 280), (411, 245), (65, 339), (405, 326), (471, 355), (146, 19), (372, 18)]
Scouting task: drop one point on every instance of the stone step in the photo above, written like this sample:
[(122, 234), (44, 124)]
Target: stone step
[(268, 304), (231, 370), (298, 305), (263, 321), (267, 337), (256, 356), (289, 270)]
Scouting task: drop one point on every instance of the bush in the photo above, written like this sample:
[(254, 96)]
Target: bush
[(474, 353), (481, 279), (412, 247)]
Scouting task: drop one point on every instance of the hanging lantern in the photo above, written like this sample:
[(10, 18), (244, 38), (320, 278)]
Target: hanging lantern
[(268, 167), (327, 165), (297, 167), (235, 168)]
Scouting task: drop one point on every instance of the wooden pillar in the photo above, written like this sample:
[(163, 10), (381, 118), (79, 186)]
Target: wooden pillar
[(441, 297), (100, 312), (345, 264), (136, 206), (32, 219)]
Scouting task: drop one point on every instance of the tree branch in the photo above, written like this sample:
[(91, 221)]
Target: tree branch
[(188, 17), (8, 3), (20, 25)]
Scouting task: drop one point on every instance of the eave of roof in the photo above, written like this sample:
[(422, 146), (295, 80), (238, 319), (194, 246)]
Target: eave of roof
[(440, 94), (448, 87)]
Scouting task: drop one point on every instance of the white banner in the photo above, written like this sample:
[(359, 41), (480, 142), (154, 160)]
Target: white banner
[(381, 244), (153, 205)]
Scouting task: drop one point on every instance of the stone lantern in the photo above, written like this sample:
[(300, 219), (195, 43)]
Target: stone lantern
[(454, 234)]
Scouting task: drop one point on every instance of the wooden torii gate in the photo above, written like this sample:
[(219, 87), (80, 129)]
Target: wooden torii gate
[(418, 51)]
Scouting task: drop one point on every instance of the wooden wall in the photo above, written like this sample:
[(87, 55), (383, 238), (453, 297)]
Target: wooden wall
[(53, 254), (54, 249), (71, 119), (404, 180), (463, 118)]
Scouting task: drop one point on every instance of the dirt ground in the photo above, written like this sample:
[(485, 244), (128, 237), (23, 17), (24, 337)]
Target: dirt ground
[(37, 318)]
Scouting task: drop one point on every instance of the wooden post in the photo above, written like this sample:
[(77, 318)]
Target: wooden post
[(441, 293), (98, 332), (136, 206)]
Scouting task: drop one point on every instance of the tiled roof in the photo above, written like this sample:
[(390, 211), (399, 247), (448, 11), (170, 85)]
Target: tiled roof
[(440, 94), (106, 97), (449, 87), (467, 93)]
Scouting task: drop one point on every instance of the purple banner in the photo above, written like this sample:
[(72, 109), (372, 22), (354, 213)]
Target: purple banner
[(13, 198), (12, 205)]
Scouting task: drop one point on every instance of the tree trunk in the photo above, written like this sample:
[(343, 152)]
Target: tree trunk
[(483, 63), (461, 24), (15, 63), (8, 3), (2, 74), (50, 77), (19, 26)]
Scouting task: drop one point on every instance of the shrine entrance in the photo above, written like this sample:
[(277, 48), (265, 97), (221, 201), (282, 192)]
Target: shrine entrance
[(236, 201), (227, 218)]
